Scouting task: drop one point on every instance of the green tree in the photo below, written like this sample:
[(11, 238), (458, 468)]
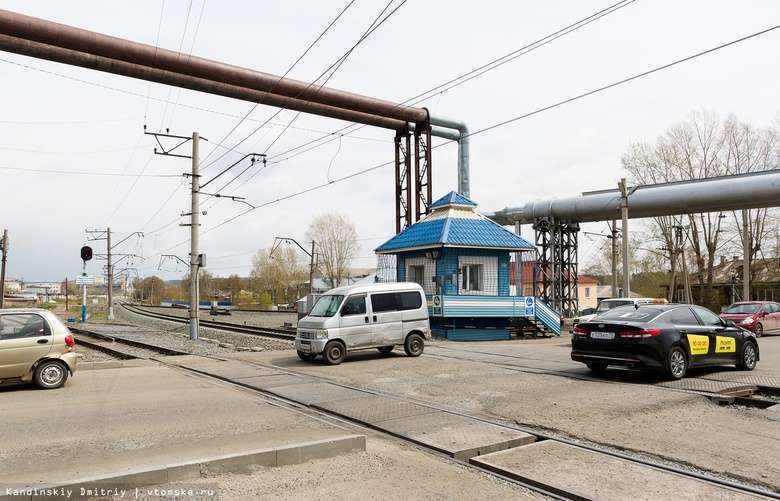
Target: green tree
[(279, 275)]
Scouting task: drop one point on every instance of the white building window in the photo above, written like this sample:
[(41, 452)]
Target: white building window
[(478, 275), (416, 274), (421, 270), (587, 292)]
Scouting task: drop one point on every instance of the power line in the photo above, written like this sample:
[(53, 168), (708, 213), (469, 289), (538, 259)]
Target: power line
[(506, 122)]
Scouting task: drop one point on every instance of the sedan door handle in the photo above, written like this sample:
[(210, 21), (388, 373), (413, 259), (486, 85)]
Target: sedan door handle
[(43, 341)]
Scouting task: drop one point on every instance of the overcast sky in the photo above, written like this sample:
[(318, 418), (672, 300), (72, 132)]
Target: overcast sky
[(74, 156)]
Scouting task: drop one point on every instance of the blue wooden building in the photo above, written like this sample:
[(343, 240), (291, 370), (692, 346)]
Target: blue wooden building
[(462, 260)]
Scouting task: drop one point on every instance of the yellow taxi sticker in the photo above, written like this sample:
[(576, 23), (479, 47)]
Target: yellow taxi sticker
[(700, 345), (725, 344)]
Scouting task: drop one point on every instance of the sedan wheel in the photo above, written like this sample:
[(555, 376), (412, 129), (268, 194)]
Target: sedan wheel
[(759, 330), (50, 374), (748, 357), (676, 363)]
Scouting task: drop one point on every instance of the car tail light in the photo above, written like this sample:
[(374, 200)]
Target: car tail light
[(641, 333), (579, 331), (69, 340)]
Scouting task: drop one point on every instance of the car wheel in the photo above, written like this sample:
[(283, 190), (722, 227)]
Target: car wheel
[(414, 345), (676, 363), (759, 330), (306, 356), (385, 349), (335, 353), (747, 357), (50, 374), (596, 367)]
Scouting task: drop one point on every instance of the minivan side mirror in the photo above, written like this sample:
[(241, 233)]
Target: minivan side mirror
[(345, 310)]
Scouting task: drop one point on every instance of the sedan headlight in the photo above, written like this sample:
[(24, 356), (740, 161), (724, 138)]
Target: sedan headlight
[(322, 333), (747, 321)]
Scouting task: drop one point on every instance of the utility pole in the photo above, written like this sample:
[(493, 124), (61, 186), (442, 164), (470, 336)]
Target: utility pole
[(110, 271), (194, 234), (614, 259), (4, 245), (624, 214), (745, 256), (196, 261)]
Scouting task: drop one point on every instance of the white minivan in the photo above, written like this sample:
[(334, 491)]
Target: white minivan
[(358, 317)]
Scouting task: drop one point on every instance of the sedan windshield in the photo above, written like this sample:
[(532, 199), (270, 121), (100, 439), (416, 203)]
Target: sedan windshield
[(326, 306)]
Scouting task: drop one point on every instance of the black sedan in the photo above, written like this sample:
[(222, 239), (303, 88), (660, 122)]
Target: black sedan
[(664, 337)]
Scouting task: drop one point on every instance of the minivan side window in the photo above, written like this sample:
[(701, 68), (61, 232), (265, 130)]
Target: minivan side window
[(355, 305), (383, 302), (394, 301), (410, 300)]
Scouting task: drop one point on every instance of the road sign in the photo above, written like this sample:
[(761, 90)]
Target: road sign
[(529, 306)]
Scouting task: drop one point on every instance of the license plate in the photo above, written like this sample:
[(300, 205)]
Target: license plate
[(305, 348), (602, 335), (303, 341)]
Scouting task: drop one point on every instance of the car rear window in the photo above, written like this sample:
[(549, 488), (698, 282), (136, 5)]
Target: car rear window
[(628, 313)]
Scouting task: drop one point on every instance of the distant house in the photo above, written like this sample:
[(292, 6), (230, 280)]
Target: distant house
[(588, 289), (728, 278), (462, 261)]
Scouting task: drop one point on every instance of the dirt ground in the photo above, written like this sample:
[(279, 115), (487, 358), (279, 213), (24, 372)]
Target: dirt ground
[(682, 429)]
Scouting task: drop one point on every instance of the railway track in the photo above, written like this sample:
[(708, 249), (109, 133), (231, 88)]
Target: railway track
[(276, 333), (319, 400)]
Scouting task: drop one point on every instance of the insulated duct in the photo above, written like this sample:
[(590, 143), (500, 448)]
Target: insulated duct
[(728, 193)]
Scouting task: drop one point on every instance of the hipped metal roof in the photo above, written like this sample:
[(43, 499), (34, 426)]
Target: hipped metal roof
[(454, 222)]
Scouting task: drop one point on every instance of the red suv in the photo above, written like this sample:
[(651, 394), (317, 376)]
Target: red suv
[(756, 316)]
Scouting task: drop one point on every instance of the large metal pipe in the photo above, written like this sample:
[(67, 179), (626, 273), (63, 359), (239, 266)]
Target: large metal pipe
[(98, 44), (742, 191), (99, 63), (464, 181), (43, 39)]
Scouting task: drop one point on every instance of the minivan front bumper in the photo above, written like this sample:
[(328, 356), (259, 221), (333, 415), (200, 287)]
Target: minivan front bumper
[(313, 346)]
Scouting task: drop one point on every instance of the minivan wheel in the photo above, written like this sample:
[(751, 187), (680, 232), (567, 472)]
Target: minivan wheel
[(676, 363), (414, 345), (306, 356), (334, 353), (747, 357), (385, 349), (50, 374)]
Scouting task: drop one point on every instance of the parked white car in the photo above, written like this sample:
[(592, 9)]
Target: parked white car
[(608, 304)]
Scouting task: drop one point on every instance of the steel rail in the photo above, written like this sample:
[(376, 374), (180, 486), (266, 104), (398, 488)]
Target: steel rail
[(214, 324)]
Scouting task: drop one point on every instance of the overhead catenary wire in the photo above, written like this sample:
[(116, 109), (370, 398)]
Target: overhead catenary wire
[(506, 122)]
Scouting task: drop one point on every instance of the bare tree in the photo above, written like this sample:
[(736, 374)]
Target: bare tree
[(337, 245), (702, 147)]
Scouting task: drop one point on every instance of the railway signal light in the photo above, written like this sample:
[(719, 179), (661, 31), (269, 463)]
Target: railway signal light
[(86, 253)]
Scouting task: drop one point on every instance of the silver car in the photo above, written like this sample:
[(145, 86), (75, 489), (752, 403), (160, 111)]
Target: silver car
[(35, 345)]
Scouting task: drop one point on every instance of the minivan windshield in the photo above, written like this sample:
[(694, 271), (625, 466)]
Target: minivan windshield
[(326, 306)]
